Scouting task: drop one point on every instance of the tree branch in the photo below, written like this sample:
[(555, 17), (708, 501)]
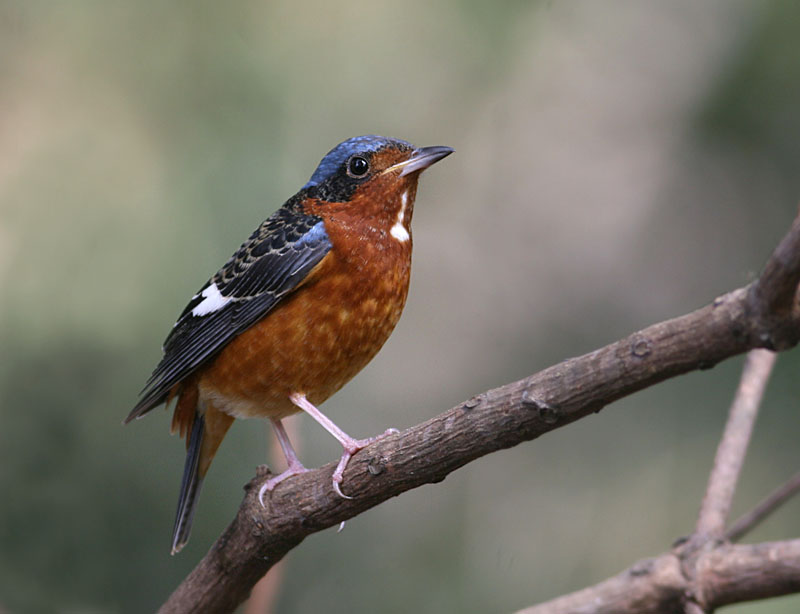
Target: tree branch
[(639, 590), (771, 502), (727, 574), (733, 446), (728, 462), (775, 291), (747, 318)]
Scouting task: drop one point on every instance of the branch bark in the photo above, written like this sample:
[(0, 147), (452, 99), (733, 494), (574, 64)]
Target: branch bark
[(728, 461), (728, 574), (764, 314), (732, 449)]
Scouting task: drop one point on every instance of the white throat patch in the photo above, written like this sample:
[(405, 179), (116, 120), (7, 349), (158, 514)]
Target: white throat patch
[(399, 231)]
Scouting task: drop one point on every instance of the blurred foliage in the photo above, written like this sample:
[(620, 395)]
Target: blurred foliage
[(617, 163), (758, 93), (754, 106)]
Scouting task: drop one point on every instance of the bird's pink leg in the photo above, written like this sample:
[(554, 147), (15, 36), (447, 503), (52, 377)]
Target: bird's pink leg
[(295, 466), (350, 445)]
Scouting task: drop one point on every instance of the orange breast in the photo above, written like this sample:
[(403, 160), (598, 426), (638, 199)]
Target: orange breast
[(319, 337)]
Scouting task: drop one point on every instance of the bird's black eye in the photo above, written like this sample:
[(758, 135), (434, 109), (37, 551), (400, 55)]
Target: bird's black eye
[(357, 166)]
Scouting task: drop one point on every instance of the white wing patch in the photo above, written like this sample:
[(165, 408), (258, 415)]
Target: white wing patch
[(399, 231), (212, 301)]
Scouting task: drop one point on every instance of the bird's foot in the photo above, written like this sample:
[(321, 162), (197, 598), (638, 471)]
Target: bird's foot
[(351, 446), (273, 482)]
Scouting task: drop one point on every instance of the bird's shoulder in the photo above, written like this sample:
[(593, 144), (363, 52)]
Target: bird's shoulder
[(268, 254)]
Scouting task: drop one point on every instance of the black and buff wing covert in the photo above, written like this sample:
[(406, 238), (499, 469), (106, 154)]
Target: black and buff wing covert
[(267, 267)]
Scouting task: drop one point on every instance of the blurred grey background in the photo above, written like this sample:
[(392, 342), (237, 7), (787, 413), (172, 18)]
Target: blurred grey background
[(617, 163)]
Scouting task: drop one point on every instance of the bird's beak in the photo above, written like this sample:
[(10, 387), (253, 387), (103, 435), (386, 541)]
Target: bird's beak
[(420, 159)]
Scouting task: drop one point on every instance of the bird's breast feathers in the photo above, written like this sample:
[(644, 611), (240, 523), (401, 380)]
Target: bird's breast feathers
[(315, 341)]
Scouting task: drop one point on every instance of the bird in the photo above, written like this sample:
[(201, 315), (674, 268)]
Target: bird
[(297, 311)]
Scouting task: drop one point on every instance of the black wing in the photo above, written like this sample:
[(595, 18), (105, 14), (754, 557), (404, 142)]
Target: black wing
[(268, 266)]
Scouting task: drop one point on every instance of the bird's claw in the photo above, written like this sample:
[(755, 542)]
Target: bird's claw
[(271, 483), (350, 448), (338, 489), (262, 491)]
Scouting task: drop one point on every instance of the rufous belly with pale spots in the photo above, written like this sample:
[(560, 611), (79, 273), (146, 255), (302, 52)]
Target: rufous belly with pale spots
[(313, 343)]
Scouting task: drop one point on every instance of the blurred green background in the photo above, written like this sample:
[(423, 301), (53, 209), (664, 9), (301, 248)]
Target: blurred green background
[(617, 163)]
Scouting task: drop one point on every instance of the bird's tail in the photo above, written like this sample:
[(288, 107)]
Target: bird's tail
[(204, 432), (190, 486)]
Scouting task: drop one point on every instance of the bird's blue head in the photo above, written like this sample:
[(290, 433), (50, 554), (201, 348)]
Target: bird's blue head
[(334, 162), (370, 162)]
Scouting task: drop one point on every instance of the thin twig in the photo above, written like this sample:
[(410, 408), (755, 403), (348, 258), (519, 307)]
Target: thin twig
[(733, 446), (745, 523)]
